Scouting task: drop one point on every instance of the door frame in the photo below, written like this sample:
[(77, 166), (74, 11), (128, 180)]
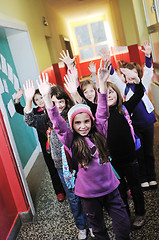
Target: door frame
[(16, 26)]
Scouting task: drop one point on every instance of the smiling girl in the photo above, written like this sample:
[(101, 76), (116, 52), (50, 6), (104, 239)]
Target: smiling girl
[(96, 183)]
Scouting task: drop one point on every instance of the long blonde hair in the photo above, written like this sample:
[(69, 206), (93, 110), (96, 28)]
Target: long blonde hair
[(89, 82), (119, 97)]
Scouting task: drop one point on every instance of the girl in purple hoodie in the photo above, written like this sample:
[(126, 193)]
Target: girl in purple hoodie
[(96, 183)]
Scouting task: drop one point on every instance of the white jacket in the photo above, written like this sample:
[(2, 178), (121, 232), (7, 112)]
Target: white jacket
[(146, 79)]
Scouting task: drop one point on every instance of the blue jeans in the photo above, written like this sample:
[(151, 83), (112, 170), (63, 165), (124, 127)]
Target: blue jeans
[(75, 204)]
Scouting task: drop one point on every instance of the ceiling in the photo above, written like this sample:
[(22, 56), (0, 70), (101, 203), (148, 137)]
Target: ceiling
[(74, 10)]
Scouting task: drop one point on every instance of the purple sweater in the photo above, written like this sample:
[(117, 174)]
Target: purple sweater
[(97, 180)]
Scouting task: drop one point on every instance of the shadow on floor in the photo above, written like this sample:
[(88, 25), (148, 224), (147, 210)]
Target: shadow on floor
[(34, 179)]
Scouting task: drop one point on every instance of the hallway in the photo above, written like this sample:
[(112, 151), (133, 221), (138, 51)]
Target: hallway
[(53, 220)]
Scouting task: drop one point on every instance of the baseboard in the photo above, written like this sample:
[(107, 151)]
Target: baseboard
[(23, 217), (15, 229), (26, 216)]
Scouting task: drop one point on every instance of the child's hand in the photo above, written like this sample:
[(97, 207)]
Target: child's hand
[(131, 76), (19, 94), (70, 83), (29, 90), (74, 74), (92, 67), (103, 75), (44, 85), (104, 71), (148, 49), (66, 58), (105, 54)]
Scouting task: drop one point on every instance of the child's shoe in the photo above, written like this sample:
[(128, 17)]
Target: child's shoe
[(139, 222), (82, 234), (153, 184), (60, 197), (145, 186), (91, 233)]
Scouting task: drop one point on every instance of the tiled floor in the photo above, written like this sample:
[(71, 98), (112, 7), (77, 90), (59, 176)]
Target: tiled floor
[(54, 221)]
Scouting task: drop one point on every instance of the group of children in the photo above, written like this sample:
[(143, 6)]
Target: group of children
[(40, 110), (97, 137)]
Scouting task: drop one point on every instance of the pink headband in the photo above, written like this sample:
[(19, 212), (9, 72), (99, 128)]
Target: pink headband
[(76, 109)]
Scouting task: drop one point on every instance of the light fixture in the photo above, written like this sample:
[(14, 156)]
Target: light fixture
[(45, 22)]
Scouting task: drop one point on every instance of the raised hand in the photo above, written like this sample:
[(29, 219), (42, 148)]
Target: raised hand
[(19, 94), (29, 90), (74, 74), (92, 67), (45, 89), (70, 83), (66, 58), (131, 76), (44, 85), (148, 49), (104, 70), (103, 75), (105, 54)]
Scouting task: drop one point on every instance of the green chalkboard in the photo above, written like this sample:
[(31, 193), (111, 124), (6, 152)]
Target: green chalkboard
[(23, 135)]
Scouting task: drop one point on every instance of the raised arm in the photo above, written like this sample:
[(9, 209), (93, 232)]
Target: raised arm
[(114, 78), (139, 90), (102, 113), (147, 48), (18, 107), (148, 69), (131, 76), (32, 120), (92, 69), (103, 75), (18, 95), (65, 58), (45, 89), (72, 85), (59, 124), (29, 91)]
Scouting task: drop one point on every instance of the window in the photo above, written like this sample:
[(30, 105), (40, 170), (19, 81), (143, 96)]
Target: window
[(91, 38)]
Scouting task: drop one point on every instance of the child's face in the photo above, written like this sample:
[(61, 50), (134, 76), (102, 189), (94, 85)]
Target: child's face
[(89, 92), (60, 103), (39, 100), (112, 97), (82, 124)]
